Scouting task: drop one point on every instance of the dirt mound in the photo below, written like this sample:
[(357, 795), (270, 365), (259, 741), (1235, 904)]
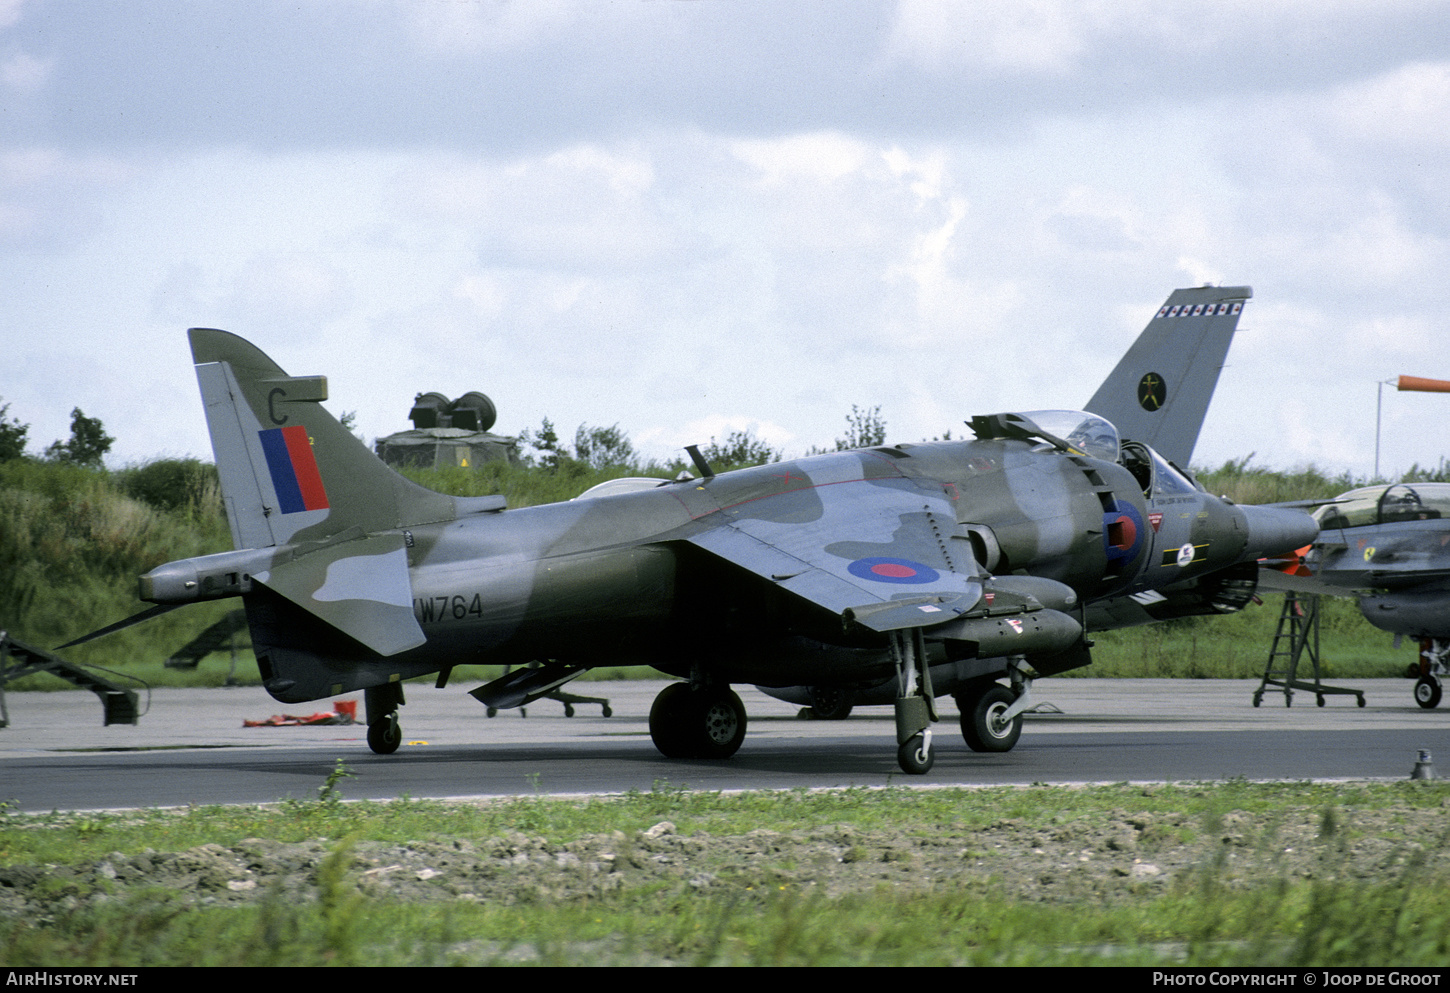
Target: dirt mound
[(1102, 856)]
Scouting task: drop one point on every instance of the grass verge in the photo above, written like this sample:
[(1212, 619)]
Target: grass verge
[(1242, 874)]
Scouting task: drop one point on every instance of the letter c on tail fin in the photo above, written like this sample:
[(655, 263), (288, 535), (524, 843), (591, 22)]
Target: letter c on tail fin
[(289, 470)]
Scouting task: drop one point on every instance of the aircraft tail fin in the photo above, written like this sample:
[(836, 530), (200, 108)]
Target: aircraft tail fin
[(290, 472), (1159, 393)]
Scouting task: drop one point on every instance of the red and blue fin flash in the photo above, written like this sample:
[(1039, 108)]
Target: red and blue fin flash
[(294, 471)]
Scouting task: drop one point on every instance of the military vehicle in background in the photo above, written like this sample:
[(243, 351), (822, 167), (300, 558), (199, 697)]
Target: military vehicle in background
[(448, 433)]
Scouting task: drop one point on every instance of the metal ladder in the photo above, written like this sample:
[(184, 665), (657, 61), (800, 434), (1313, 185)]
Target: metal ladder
[(1298, 634), (18, 659), (222, 634)]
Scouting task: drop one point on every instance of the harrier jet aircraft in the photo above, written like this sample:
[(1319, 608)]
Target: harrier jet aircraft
[(837, 569)]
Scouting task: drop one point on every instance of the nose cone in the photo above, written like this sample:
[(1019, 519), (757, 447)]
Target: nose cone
[(1276, 530)]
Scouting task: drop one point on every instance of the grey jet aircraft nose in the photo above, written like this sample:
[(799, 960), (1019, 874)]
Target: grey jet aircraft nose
[(1275, 530)]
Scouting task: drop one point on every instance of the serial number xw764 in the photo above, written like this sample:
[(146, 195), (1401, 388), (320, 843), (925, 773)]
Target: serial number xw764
[(458, 607)]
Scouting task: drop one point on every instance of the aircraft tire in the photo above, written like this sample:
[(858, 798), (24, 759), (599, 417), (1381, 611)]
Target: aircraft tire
[(916, 756), (831, 703), (385, 736), (982, 728), (697, 724), (1427, 692), (667, 719)]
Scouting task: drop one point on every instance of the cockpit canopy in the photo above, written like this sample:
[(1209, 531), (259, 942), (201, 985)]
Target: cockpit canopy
[(1088, 433), (1091, 435), (1393, 504)]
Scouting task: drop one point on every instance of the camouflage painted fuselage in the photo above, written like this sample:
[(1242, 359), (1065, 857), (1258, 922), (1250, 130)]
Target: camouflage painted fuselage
[(635, 578)]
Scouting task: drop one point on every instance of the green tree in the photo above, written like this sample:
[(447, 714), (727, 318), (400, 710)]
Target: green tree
[(88, 442), (864, 429), (1415, 473), (551, 454), (12, 436), (600, 448), (739, 449), (171, 484)]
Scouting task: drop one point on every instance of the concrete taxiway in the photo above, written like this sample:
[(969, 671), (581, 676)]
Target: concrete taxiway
[(191, 746)]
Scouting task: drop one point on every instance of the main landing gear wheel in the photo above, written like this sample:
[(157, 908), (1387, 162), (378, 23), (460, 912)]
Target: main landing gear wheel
[(385, 736), (831, 703), (982, 724), (916, 756), (707, 723), (1427, 692)]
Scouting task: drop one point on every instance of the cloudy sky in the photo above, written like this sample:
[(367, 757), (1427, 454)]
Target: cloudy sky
[(693, 216)]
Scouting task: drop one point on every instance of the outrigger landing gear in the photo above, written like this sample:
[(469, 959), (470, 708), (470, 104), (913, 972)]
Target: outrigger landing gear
[(384, 732), (915, 705), (697, 722)]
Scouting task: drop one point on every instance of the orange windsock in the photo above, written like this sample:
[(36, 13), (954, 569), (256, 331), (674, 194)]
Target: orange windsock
[(1423, 385)]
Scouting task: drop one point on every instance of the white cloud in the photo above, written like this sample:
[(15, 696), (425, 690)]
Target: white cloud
[(1093, 220), (24, 73), (1035, 37), (630, 175), (488, 25), (929, 170), (947, 306), (48, 197), (10, 12), (583, 208), (486, 292), (1407, 108), (589, 232), (1200, 273), (304, 287), (716, 427), (821, 157)]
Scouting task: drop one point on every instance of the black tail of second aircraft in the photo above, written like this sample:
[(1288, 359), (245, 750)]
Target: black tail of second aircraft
[(1159, 393)]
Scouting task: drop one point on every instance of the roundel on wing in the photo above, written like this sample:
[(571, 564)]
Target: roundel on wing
[(1152, 391), (1123, 531), (883, 569)]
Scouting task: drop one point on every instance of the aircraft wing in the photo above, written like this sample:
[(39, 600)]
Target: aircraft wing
[(851, 536)]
